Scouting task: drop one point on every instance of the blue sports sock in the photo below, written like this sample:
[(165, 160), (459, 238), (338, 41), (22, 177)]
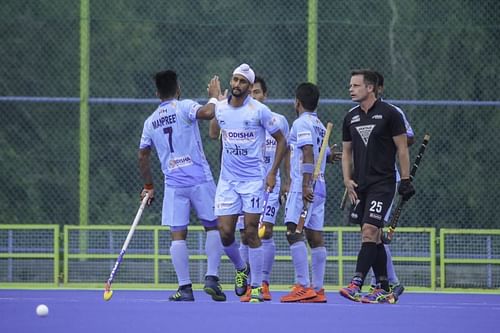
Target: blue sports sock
[(256, 259), (213, 249), (269, 248), (180, 260), (300, 263), (233, 254), (391, 272), (318, 258)]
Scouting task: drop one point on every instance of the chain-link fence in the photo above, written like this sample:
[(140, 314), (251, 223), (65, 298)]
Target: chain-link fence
[(440, 60)]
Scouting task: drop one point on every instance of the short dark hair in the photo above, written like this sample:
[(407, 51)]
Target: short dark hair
[(380, 79), (307, 94), (166, 83), (369, 76), (263, 85)]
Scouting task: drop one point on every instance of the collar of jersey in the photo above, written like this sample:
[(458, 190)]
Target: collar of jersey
[(309, 113), (167, 102), (247, 99)]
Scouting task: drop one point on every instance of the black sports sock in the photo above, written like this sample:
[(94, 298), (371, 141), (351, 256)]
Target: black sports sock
[(366, 258), (380, 267)]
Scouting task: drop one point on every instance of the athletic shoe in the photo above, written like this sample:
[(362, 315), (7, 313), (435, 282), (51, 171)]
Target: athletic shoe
[(351, 292), (247, 296), (379, 296), (265, 291), (372, 288), (319, 298), (298, 293), (256, 295), (213, 288), (398, 290), (241, 279), (183, 294)]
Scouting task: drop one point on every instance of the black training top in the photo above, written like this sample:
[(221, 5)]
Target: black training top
[(373, 148)]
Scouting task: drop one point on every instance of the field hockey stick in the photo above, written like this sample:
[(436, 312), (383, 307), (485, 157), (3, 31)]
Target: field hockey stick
[(387, 238), (317, 170), (262, 227), (108, 293), (344, 200)]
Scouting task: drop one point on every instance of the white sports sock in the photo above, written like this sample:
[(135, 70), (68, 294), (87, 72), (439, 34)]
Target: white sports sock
[(244, 252), (391, 272), (269, 248), (318, 258), (213, 249), (256, 259), (180, 260), (233, 254), (300, 263)]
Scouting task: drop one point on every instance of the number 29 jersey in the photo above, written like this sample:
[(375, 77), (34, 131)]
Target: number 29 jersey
[(174, 133)]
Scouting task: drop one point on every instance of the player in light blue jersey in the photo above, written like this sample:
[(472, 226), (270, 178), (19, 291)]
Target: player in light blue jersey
[(394, 282), (243, 122), (259, 92), (173, 131), (305, 140)]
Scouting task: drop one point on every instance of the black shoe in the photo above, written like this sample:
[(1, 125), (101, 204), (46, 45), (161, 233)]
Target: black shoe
[(241, 279), (183, 294), (213, 288)]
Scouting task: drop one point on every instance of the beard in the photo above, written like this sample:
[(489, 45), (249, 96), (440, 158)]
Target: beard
[(236, 92)]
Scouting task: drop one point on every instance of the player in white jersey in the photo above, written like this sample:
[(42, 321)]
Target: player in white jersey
[(259, 92), (243, 122), (306, 137), (394, 282), (172, 129)]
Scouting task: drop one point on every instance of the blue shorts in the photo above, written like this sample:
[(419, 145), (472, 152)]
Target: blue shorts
[(177, 203), (316, 217), (237, 197)]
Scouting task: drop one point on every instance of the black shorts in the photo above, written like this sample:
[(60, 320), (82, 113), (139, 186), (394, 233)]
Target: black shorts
[(372, 206)]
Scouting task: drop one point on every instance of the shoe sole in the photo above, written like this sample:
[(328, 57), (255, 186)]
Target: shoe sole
[(215, 297), (349, 297)]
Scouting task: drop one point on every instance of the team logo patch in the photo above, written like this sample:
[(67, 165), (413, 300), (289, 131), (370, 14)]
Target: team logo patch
[(365, 132), (180, 162)]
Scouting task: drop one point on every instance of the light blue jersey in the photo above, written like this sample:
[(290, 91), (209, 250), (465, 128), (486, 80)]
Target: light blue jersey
[(409, 133), (243, 131), (271, 145), (306, 130), (173, 130)]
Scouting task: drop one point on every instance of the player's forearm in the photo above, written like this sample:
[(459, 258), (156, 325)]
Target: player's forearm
[(403, 155), (145, 166), (213, 129), (347, 163)]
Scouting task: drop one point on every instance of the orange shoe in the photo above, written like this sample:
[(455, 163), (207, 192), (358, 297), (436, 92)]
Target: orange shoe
[(265, 291), (297, 294), (248, 294), (319, 298)]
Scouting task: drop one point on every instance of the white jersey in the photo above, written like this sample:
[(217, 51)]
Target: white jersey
[(173, 130), (306, 130), (271, 143), (243, 131)]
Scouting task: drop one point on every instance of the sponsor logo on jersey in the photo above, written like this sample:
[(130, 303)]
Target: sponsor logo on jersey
[(364, 132), (378, 116), (304, 136), (239, 136), (222, 205), (376, 216), (355, 119), (180, 162)]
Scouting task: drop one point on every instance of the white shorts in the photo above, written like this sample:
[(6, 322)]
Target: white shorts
[(315, 218), (236, 197), (177, 202)]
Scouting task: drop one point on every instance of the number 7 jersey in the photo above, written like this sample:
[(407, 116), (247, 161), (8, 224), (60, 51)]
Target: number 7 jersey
[(174, 133)]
